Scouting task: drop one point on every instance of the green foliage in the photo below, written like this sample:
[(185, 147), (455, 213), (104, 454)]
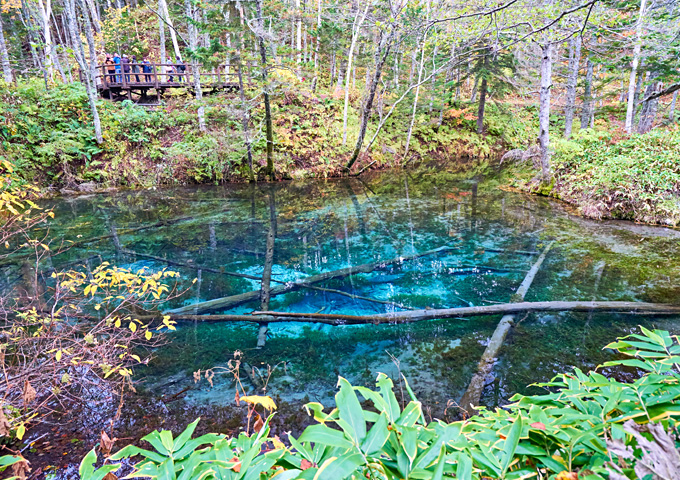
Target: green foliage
[(139, 125), (635, 178), (7, 461), (571, 428)]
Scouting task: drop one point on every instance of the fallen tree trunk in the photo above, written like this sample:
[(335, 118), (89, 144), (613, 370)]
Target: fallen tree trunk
[(240, 299), (638, 308), (254, 277), (473, 394)]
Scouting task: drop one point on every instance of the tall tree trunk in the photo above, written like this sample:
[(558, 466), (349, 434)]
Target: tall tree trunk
[(433, 87), (409, 132), (381, 54), (473, 96), (587, 95), (4, 56), (316, 46), (671, 113), (638, 90), (269, 171), (163, 10), (192, 16), (649, 107), (544, 110), (45, 10), (572, 78), (27, 20), (298, 35), (358, 20), (94, 15), (161, 38), (245, 120), (79, 53), (630, 111), (482, 105)]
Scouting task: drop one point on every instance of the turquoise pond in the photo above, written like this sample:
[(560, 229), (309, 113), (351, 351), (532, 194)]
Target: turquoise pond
[(325, 226)]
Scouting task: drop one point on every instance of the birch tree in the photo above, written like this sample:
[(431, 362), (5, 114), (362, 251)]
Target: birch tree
[(260, 32), (4, 55), (637, 48), (572, 79), (191, 13), (165, 16), (79, 53), (544, 109), (356, 28)]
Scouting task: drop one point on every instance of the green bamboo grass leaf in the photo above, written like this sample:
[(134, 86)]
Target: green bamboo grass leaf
[(339, 468), (185, 435), (350, 410), (131, 450), (321, 434), (376, 437), (511, 443), (154, 438)]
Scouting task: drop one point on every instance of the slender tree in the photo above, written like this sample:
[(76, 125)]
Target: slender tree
[(260, 32), (544, 109), (86, 70), (572, 79), (4, 55), (637, 48)]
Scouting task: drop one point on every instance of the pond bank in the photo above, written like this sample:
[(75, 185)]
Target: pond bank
[(606, 176)]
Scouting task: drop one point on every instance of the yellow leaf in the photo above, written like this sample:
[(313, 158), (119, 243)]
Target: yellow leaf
[(133, 327), (148, 335), (97, 307), (117, 323), (58, 355), (277, 442), (266, 401), (21, 430)]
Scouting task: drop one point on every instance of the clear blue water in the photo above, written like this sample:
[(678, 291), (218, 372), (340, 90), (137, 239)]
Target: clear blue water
[(324, 226)]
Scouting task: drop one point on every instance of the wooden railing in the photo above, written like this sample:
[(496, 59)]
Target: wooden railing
[(162, 75)]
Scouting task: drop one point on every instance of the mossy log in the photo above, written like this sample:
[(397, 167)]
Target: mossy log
[(473, 394), (638, 308)]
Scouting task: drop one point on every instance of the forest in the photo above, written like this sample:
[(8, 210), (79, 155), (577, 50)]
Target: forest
[(316, 239)]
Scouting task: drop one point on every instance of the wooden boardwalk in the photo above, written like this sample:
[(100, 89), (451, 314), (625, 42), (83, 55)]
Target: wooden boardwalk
[(139, 86)]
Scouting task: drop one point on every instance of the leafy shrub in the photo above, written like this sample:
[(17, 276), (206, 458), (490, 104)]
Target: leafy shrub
[(139, 125), (584, 425)]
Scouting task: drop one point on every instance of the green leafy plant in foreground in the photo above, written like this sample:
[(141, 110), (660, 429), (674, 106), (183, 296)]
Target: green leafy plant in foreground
[(585, 424)]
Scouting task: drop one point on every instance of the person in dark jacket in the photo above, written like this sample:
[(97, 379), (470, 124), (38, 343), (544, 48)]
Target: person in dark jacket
[(126, 67), (181, 69), (147, 68), (134, 67)]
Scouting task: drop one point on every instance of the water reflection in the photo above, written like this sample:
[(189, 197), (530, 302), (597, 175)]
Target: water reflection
[(238, 239)]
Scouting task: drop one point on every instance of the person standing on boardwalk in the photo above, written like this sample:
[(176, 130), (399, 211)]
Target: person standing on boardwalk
[(116, 62), (181, 69), (126, 67), (147, 68), (109, 76), (135, 67), (169, 69)]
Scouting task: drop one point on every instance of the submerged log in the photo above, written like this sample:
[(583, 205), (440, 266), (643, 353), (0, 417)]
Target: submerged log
[(637, 308), (240, 299), (473, 394), (188, 265)]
